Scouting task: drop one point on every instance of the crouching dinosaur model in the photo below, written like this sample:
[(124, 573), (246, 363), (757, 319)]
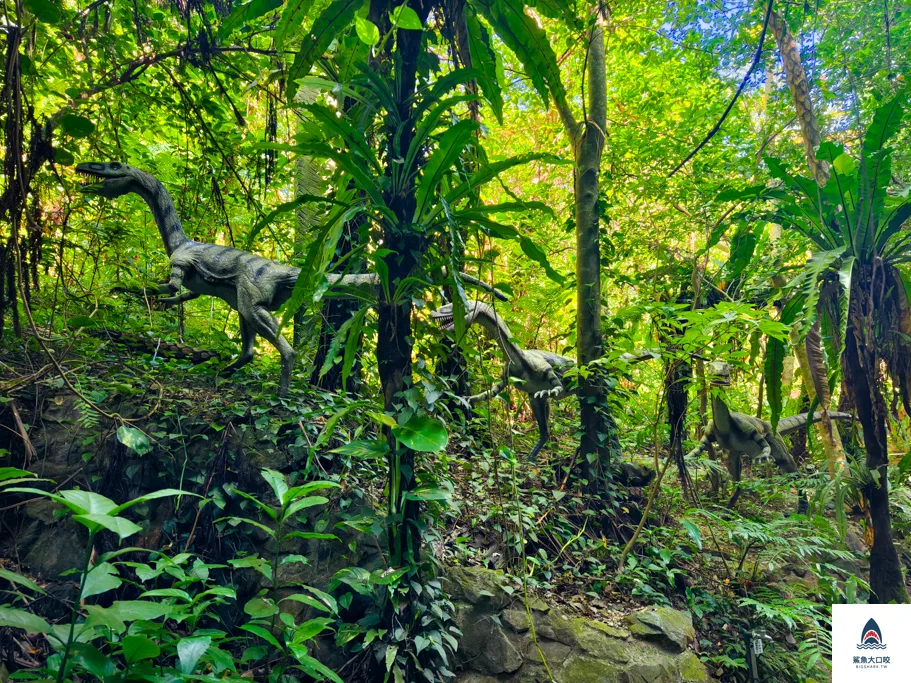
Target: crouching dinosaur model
[(250, 284), (537, 373), (741, 434)]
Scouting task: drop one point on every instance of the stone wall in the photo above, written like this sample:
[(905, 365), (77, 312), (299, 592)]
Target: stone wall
[(497, 643)]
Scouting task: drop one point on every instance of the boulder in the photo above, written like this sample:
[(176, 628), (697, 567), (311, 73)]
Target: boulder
[(671, 629), (501, 644)]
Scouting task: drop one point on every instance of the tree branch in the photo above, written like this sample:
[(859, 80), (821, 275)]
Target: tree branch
[(743, 83)]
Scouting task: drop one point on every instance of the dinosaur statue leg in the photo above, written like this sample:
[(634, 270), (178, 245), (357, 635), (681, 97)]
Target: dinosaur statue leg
[(247, 339), (265, 325), (540, 408)]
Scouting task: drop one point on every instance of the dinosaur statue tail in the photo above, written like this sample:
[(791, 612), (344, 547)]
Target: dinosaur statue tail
[(792, 424)]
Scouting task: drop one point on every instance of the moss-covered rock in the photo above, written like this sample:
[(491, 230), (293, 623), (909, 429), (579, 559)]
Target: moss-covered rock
[(671, 629), (478, 586), (582, 669), (498, 642), (692, 670)]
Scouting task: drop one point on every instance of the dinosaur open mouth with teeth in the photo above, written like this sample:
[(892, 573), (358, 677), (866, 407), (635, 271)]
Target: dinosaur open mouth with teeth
[(444, 317), (96, 175), (447, 322), (89, 178)]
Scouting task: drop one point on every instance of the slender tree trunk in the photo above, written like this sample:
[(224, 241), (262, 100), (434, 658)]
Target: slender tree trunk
[(861, 367), (588, 146), (394, 339)]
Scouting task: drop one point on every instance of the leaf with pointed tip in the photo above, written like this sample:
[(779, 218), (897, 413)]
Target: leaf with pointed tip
[(308, 488), (491, 170), (262, 633), (119, 525), (13, 577), (451, 144), (303, 503), (18, 618), (243, 14), (313, 667), (134, 439), (154, 495), (137, 648), (100, 579), (774, 360), (292, 17), (190, 651), (277, 481), (529, 43), (422, 433), (331, 21)]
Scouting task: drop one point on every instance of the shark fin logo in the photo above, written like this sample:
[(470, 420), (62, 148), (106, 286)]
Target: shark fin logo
[(872, 637)]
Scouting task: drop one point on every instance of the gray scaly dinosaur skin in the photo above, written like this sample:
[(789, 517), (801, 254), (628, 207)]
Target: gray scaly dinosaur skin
[(538, 373), (250, 284), (739, 434)]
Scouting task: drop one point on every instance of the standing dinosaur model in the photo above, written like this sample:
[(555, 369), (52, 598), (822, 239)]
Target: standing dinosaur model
[(537, 373), (741, 434), (250, 284)]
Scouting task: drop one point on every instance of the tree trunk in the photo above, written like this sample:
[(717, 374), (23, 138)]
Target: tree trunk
[(861, 366), (588, 147), (394, 339)]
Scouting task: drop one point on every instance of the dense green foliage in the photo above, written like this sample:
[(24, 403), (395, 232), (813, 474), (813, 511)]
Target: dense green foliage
[(415, 141)]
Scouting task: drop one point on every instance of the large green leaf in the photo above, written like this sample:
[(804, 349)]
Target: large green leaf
[(876, 171), (348, 334), (245, 13), (133, 610), (817, 266), (488, 172), (331, 21), (45, 10), (776, 350), (313, 667), (310, 629), (743, 243), (100, 579), (334, 126), (422, 433), (28, 622), (134, 439), (190, 651), (537, 254), (137, 648), (292, 17), (13, 577), (119, 525), (76, 126), (529, 42), (317, 260), (154, 495), (452, 142)]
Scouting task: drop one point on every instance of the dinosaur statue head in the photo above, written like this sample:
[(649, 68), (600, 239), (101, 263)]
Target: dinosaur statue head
[(444, 315), (116, 179), (719, 373)]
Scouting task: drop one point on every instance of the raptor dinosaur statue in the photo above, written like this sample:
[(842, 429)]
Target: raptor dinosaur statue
[(741, 434), (537, 373), (250, 284)]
